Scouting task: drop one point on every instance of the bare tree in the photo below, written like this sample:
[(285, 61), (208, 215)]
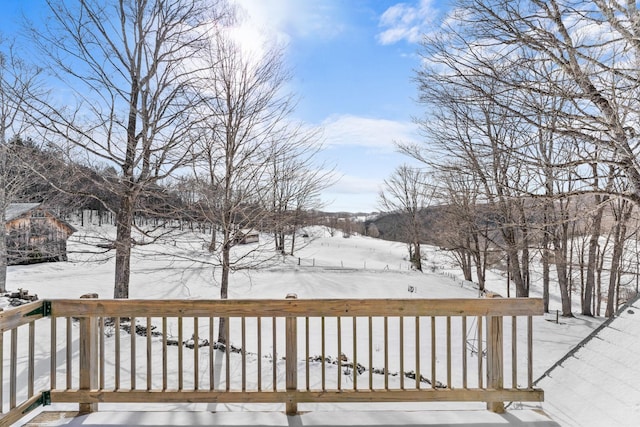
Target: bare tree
[(594, 53), (485, 141), (408, 193), (17, 80), (622, 210), (510, 69), (463, 228), (130, 67), (246, 109), (295, 183), (372, 231)]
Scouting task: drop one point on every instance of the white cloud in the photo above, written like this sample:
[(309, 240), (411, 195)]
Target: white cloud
[(367, 132), (284, 20), (352, 194), (403, 21), (349, 184)]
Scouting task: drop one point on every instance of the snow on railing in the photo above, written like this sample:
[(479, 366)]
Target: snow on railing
[(287, 351)]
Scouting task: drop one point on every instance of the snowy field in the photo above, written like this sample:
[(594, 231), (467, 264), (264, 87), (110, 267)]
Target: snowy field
[(325, 266)]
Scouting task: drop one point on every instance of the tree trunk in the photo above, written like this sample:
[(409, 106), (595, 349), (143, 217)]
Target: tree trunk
[(620, 237), (4, 203), (293, 241), (591, 263), (546, 274), (480, 260), (563, 280), (124, 220), (3, 252), (212, 243), (616, 259), (516, 273), (417, 257), (224, 286), (599, 270)]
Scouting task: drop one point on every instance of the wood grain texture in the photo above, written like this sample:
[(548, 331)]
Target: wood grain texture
[(205, 396), (298, 307), (18, 316)]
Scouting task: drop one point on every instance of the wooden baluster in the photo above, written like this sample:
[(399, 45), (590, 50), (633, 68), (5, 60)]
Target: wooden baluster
[(101, 352), (386, 353), (339, 323), (480, 351), (418, 374), (69, 353), (53, 361), (275, 353), (164, 353), (464, 352), (132, 336), (306, 359), (530, 352), (354, 371), (324, 374), (117, 355), (495, 361), (514, 352), (370, 353), (448, 351), (149, 355), (31, 369), (196, 354), (13, 368), (434, 381), (243, 351), (401, 353), (180, 354), (291, 341), (88, 359), (259, 326)]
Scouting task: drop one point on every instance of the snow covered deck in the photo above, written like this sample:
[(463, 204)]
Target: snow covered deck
[(416, 418)]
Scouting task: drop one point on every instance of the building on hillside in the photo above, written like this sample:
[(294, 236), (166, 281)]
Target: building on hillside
[(35, 234), (247, 235)]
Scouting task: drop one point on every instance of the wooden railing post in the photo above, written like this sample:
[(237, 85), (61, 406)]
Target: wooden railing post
[(495, 360), (88, 357), (291, 360)]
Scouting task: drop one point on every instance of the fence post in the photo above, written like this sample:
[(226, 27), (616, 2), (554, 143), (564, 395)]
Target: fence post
[(291, 361), (495, 360), (88, 357)]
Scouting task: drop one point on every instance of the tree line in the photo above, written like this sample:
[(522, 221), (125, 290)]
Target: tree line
[(530, 144)]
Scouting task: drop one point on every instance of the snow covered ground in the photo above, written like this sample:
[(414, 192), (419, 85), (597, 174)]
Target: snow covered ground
[(599, 382), (324, 267)]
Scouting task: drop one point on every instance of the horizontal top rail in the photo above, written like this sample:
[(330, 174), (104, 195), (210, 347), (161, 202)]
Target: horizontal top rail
[(298, 308), (18, 316)]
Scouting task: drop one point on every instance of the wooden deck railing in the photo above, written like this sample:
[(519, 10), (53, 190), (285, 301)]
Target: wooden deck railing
[(280, 351)]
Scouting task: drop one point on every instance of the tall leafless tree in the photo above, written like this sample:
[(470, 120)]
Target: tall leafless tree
[(246, 109), (129, 67), (407, 192), (17, 80), (295, 181)]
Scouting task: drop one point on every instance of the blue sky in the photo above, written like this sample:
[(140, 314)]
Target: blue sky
[(352, 63)]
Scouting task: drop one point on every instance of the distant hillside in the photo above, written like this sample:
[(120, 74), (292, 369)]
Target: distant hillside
[(390, 224)]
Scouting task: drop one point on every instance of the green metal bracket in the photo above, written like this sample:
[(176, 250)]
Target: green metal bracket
[(44, 400), (44, 310)]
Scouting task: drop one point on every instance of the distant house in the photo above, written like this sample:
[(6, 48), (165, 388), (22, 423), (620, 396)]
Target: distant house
[(247, 235), (35, 234)]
